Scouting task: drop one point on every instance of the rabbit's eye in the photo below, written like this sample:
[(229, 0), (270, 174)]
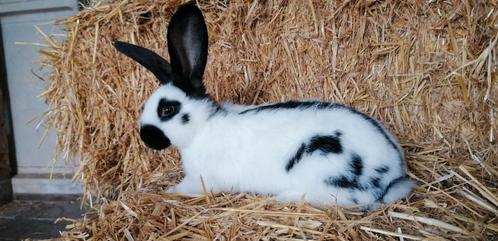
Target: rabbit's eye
[(167, 110)]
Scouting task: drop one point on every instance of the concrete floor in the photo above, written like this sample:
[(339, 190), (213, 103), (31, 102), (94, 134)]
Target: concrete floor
[(35, 219)]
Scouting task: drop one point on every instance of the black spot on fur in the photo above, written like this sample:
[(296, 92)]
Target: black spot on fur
[(338, 133), (291, 105), (356, 164), (382, 169), (343, 182), (375, 181), (164, 104), (352, 182), (354, 200), (296, 158), (185, 118), (326, 144)]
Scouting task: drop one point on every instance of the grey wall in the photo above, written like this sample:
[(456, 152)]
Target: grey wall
[(34, 159)]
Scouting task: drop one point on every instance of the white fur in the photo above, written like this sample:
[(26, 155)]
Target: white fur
[(248, 152)]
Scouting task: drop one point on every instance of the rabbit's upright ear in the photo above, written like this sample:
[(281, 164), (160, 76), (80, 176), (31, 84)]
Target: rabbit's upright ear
[(188, 47), (147, 58)]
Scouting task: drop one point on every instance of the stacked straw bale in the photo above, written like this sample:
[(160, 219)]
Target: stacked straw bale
[(426, 69)]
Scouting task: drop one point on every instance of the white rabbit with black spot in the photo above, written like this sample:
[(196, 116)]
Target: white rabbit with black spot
[(323, 153)]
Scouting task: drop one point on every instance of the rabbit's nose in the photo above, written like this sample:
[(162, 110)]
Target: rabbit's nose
[(153, 137)]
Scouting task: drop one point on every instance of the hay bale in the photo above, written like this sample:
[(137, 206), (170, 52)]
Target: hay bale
[(426, 69)]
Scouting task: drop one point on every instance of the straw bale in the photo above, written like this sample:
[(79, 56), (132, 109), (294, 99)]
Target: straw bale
[(426, 69)]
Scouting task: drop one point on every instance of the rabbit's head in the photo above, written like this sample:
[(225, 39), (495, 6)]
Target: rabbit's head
[(174, 112)]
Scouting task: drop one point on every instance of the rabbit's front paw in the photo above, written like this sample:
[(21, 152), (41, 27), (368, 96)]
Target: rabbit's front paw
[(186, 187), (290, 196)]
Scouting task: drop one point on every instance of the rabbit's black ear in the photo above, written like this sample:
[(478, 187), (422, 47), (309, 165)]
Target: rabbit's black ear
[(147, 58), (188, 47)]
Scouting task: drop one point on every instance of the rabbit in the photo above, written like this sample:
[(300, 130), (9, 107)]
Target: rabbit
[(322, 153)]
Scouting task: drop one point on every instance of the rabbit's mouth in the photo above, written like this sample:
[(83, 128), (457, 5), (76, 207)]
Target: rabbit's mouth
[(154, 138)]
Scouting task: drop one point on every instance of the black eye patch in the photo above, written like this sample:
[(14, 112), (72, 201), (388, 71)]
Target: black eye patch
[(167, 109)]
